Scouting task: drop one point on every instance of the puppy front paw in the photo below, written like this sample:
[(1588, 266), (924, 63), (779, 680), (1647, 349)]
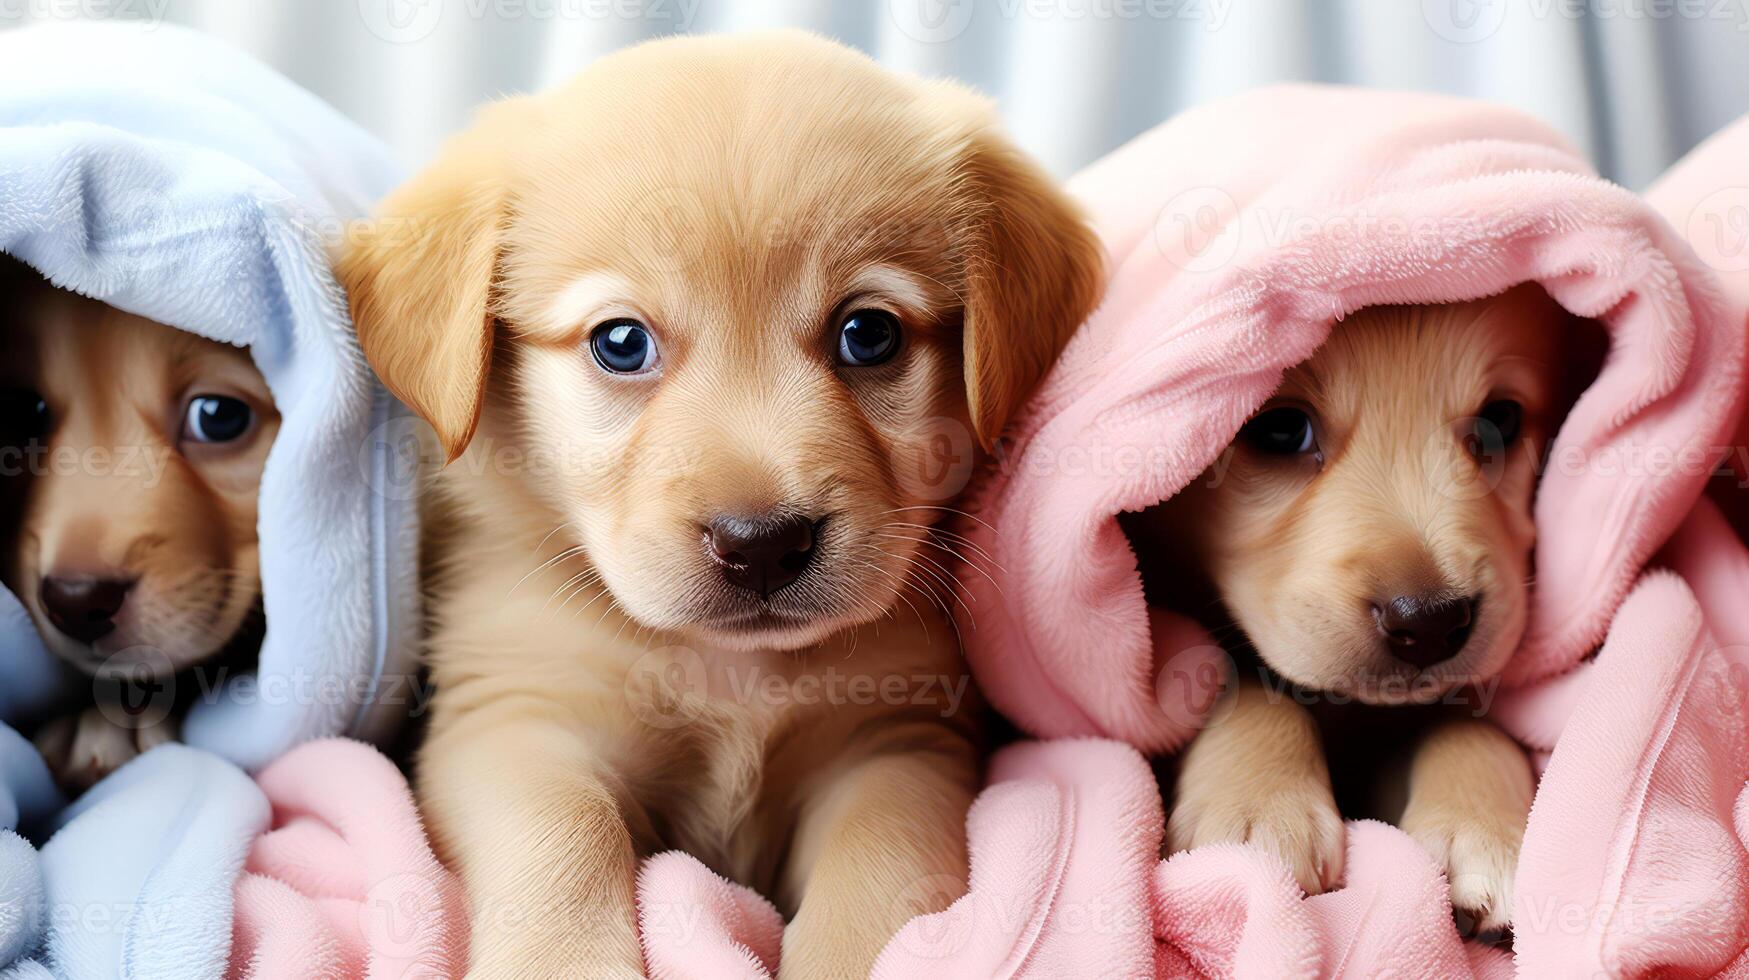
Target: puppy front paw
[(1480, 859), (1298, 823), (82, 748)]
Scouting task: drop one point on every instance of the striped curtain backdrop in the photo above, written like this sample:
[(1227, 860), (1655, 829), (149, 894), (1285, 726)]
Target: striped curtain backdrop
[(1633, 82)]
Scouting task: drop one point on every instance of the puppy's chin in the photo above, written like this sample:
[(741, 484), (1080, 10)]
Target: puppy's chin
[(150, 644), (123, 656), (1356, 667), (782, 623), (766, 633), (821, 604)]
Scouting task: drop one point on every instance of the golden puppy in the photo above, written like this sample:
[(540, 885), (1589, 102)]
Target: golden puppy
[(132, 457), (687, 322), (1369, 532)]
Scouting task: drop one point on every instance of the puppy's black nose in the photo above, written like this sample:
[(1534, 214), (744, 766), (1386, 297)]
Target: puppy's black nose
[(84, 607), (1426, 629), (762, 554)]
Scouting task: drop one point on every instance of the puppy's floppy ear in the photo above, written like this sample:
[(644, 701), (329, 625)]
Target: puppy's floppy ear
[(420, 277), (1034, 271)]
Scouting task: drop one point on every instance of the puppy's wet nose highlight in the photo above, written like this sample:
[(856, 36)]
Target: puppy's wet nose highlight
[(83, 606), (762, 554), (1426, 628)]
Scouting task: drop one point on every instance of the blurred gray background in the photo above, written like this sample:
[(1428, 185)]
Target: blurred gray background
[(1635, 83)]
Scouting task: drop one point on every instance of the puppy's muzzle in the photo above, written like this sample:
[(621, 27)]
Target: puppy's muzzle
[(82, 606), (762, 554), (1426, 629)]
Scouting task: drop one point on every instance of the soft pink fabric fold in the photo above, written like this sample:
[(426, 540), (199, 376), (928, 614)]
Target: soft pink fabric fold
[(344, 884), (695, 923), (1062, 845), (1239, 234), (1234, 911), (1636, 862)]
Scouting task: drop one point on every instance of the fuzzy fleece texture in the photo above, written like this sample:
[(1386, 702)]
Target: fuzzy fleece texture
[(344, 884), (178, 865), (1067, 884), (174, 178), (1240, 234), (137, 876), (28, 800), (1239, 237)]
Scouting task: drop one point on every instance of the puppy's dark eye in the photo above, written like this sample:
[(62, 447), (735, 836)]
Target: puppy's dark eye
[(623, 347), (1281, 432), (1495, 427), (216, 418), (24, 416), (868, 337)]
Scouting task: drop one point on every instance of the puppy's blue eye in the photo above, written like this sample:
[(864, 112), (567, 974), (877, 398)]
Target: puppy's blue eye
[(623, 347), (216, 418), (1281, 432), (868, 337)]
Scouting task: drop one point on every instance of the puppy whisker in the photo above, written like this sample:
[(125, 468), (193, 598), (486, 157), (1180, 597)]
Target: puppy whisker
[(559, 558), (944, 510)]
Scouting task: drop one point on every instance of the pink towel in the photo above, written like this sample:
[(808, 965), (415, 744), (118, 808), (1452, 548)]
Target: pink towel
[(1239, 232), (1636, 861), (1234, 911), (1063, 845), (344, 884), (695, 923), (1706, 196)]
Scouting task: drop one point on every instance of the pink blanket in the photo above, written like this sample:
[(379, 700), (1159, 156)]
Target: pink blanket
[(343, 885), (1239, 232)]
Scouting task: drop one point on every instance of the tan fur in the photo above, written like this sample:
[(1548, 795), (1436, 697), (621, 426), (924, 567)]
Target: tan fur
[(115, 492), (735, 195), (1300, 554), (1260, 776), (1470, 788)]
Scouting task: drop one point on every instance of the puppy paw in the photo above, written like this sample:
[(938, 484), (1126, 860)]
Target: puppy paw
[(1297, 823), (1480, 860), (82, 748)]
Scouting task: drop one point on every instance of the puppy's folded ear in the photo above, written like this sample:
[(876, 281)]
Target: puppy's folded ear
[(420, 277), (1034, 271)]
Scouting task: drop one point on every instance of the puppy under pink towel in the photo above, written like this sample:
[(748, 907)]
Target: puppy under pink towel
[(1240, 234)]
